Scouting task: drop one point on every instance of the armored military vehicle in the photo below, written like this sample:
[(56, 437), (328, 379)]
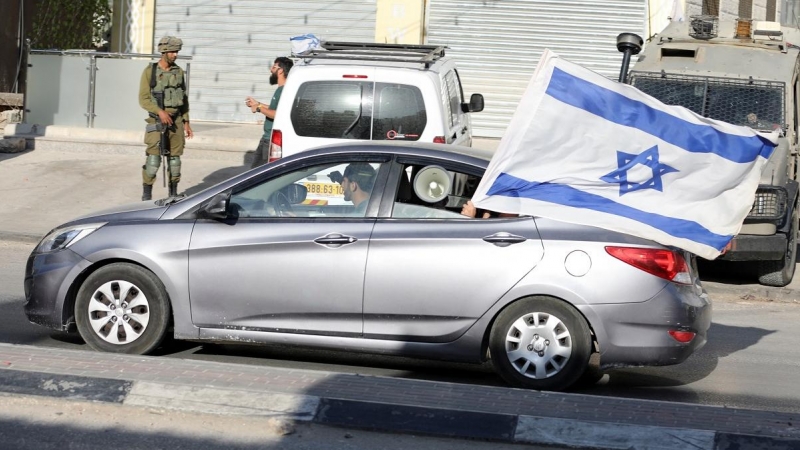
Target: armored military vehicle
[(746, 73)]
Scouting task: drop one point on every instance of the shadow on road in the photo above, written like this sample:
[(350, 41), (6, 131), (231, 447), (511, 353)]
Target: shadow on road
[(349, 362), (671, 382), (17, 329)]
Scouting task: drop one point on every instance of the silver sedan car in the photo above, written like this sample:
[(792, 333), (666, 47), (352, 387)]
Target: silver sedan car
[(363, 247)]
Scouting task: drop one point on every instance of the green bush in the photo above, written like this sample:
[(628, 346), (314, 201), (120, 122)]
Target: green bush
[(70, 24)]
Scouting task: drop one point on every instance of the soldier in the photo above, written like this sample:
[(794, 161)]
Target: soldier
[(162, 93)]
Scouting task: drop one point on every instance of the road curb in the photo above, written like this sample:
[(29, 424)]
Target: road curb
[(387, 416)]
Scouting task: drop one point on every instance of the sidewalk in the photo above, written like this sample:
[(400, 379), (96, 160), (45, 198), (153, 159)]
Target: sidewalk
[(75, 171)]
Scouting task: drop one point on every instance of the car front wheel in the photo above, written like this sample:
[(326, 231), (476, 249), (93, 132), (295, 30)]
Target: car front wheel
[(540, 343), (122, 308)]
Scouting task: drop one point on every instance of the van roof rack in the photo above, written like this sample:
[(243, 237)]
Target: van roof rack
[(359, 51)]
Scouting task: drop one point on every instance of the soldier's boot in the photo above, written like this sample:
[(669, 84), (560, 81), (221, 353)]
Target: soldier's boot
[(147, 192), (173, 189)]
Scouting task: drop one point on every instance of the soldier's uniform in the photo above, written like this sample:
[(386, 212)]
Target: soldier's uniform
[(172, 85)]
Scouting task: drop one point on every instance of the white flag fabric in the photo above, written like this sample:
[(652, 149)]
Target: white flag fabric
[(585, 149)]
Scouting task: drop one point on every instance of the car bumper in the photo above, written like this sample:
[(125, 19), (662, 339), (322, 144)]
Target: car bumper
[(48, 278), (637, 334)]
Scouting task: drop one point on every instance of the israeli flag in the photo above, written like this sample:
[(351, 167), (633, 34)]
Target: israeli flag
[(584, 149)]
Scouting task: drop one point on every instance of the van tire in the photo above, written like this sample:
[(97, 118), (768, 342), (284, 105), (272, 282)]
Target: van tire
[(780, 273)]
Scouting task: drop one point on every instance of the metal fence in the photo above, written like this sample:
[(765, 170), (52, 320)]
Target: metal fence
[(90, 89)]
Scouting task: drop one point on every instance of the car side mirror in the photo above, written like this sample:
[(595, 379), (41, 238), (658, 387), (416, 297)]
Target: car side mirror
[(295, 193), (475, 104), (217, 208)]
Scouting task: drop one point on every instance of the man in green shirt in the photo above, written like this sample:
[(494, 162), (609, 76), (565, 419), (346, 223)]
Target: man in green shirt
[(278, 73), (162, 93)]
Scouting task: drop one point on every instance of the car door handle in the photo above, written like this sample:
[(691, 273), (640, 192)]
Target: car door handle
[(503, 239), (335, 240)]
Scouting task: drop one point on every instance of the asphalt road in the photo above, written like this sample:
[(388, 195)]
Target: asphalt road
[(752, 359)]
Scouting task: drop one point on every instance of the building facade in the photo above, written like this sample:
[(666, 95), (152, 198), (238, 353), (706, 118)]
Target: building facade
[(496, 43)]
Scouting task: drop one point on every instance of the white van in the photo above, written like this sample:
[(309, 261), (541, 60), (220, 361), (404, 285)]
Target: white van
[(359, 91)]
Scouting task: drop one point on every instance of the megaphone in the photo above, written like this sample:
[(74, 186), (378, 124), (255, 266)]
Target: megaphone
[(432, 184)]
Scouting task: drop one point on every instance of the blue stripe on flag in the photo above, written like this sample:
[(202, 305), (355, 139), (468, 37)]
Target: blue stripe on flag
[(511, 186), (626, 111)]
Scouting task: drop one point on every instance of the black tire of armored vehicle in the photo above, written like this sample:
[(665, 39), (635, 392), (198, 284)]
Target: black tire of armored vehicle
[(780, 273)]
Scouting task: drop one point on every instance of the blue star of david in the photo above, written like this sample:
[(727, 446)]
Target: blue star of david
[(627, 161)]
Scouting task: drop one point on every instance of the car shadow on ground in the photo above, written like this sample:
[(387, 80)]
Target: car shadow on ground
[(349, 362), (661, 382)]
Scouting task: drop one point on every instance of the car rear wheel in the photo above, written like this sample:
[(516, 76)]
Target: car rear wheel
[(780, 273), (540, 343), (122, 308)]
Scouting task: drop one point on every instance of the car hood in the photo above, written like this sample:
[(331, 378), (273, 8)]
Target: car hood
[(148, 210)]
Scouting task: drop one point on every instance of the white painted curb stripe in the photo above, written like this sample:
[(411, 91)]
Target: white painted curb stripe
[(584, 434), (222, 401)]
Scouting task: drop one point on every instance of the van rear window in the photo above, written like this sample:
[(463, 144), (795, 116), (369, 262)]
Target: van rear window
[(359, 110)]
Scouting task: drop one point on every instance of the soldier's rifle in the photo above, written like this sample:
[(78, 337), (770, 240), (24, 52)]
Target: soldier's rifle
[(163, 141)]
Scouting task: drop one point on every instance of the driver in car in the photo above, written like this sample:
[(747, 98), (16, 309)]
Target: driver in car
[(357, 182)]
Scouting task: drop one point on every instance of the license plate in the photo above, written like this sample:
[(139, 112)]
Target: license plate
[(325, 189)]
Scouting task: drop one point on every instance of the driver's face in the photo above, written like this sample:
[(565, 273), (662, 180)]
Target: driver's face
[(348, 192)]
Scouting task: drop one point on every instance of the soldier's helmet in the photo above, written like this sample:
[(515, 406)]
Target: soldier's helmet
[(169, 44)]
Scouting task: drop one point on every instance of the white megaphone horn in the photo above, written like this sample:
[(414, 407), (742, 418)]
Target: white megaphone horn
[(432, 184)]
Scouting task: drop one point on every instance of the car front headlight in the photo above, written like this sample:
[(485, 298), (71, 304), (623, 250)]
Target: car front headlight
[(61, 238)]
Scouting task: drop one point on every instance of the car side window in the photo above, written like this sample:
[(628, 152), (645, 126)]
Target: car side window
[(432, 192), (333, 190), (454, 96)]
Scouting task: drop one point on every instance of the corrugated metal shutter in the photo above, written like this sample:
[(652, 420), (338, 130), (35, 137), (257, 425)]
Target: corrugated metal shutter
[(233, 44), (498, 43)]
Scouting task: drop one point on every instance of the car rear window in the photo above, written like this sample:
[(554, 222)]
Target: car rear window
[(359, 110)]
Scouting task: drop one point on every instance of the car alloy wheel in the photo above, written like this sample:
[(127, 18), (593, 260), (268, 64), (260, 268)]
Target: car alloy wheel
[(540, 343), (122, 308)]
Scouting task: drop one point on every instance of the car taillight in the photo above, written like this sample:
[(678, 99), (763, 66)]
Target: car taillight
[(354, 76), (439, 140), (682, 336), (667, 264), (275, 146)]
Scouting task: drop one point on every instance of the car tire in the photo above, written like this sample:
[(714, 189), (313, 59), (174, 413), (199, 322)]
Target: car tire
[(122, 308), (780, 273), (540, 343)]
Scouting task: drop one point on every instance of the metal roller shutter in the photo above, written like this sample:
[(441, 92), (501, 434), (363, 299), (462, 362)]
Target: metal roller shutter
[(498, 43), (233, 44)]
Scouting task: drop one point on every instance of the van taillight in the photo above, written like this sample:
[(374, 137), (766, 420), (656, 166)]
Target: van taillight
[(275, 146), (439, 140), (667, 264), (354, 76)]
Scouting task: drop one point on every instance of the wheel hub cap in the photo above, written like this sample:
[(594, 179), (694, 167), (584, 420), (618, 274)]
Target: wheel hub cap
[(119, 312), (538, 345)]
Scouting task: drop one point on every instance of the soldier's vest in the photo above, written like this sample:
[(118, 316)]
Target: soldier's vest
[(171, 83)]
